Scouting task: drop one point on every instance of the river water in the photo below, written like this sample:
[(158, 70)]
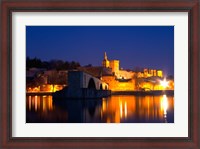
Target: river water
[(114, 109)]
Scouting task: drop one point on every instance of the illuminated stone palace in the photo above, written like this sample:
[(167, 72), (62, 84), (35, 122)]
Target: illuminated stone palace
[(124, 80)]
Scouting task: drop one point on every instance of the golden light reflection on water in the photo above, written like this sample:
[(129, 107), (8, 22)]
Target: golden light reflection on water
[(37, 103), (41, 109), (164, 106), (115, 109), (136, 108)]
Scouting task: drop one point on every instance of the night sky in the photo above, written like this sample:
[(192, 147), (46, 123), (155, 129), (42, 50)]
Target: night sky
[(134, 46)]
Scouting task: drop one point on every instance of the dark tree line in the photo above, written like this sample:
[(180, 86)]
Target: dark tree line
[(51, 65)]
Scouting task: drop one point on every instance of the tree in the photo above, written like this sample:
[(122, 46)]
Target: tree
[(51, 65), (30, 63)]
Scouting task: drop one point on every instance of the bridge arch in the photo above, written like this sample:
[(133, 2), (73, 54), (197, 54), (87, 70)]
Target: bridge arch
[(106, 87), (91, 84), (101, 87)]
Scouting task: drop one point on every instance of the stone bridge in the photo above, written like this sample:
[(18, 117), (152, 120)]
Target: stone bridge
[(82, 80)]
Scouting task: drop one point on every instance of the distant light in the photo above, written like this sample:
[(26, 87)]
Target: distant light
[(164, 83)]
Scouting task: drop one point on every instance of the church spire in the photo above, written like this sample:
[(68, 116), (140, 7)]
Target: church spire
[(105, 56), (105, 62)]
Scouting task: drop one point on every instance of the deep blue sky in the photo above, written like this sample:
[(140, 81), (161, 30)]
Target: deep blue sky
[(142, 46)]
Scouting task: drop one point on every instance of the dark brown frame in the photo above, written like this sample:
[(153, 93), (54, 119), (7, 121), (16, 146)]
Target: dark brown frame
[(9, 6)]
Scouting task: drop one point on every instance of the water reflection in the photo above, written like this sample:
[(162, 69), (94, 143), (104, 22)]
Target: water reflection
[(120, 109), (115, 109), (40, 103), (164, 106)]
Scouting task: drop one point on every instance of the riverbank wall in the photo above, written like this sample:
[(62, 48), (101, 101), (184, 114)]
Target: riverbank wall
[(91, 93), (81, 93), (143, 93)]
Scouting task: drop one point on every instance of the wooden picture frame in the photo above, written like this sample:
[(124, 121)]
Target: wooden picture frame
[(9, 6)]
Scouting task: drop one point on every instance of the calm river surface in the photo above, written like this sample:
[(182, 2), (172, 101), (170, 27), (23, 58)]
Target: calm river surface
[(114, 109)]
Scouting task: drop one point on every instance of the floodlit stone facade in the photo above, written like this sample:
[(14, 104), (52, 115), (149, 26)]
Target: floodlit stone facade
[(123, 80), (119, 85)]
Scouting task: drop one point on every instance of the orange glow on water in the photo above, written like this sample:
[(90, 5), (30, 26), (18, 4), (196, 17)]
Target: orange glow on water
[(40, 102), (125, 109), (29, 102), (114, 109), (147, 107), (36, 103), (121, 110)]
